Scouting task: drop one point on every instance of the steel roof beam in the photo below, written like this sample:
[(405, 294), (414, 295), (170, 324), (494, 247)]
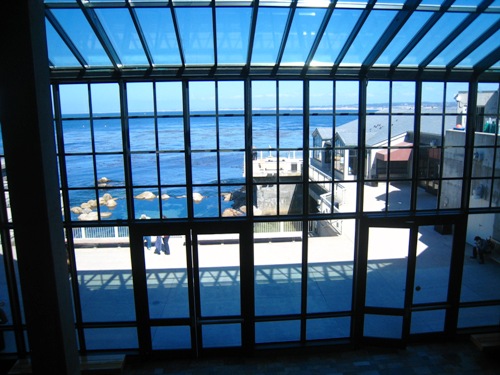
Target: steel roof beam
[(455, 33)]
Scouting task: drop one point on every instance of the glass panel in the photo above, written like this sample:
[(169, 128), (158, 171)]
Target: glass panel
[(111, 338), (268, 34), (233, 28), (330, 265), (232, 133), (175, 203), (205, 167), (432, 97), (166, 277), (432, 272), (329, 328), (203, 133), (219, 273), (480, 52), (368, 36), (377, 96), (171, 133), (169, 97), (320, 97), (144, 169), (59, 53), (196, 33), (77, 136), (383, 326), (427, 321), (231, 166), (159, 32), (212, 337), (466, 38), (264, 97), (403, 97), (105, 99), (278, 271), (140, 98), (347, 97), (109, 169), (278, 331), (175, 337), (108, 135), (80, 171), (399, 192), (207, 201), (403, 37), (142, 134), (202, 97), (339, 28), (81, 34), (387, 265), (105, 276), (443, 27), (265, 200), (476, 275), (305, 25), (122, 33), (478, 316), (480, 193), (74, 99), (172, 169), (146, 201), (375, 195)]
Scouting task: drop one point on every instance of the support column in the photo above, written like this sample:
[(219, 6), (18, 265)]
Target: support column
[(28, 138)]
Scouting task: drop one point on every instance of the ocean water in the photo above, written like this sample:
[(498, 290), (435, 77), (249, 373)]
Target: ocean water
[(208, 167)]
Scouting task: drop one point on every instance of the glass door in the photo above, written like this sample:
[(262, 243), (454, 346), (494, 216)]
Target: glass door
[(193, 293), (408, 269), (386, 279)]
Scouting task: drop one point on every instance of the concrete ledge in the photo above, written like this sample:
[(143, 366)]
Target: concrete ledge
[(91, 364), (487, 341)]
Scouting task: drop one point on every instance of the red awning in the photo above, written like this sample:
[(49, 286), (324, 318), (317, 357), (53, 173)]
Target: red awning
[(397, 154)]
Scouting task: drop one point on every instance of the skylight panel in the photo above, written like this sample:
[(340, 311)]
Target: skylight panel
[(368, 36), (268, 35), (59, 53), (481, 52), (303, 32), (123, 35), (466, 38), (233, 29), (403, 37), (196, 31), (445, 25), (335, 36), (83, 37), (159, 32)]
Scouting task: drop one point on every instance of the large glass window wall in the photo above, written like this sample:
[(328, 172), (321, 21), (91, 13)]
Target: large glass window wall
[(228, 159)]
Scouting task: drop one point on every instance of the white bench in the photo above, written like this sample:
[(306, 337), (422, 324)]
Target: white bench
[(494, 251)]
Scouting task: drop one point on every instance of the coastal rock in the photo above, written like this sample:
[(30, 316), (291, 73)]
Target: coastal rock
[(88, 216), (197, 197), (77, 210), (85, 205), (103, 180), (91, 216), (227, 196), (111, 203), (147, 195), (231, 212), (165, 196)]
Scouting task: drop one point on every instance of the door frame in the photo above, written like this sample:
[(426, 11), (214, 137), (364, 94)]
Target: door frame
[(190, 231), (455, 274)]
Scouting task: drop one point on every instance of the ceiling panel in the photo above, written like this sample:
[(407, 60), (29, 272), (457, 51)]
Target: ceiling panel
[(87, 38)]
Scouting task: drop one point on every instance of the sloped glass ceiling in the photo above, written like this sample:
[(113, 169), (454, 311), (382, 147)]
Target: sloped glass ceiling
[(311, 36)]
